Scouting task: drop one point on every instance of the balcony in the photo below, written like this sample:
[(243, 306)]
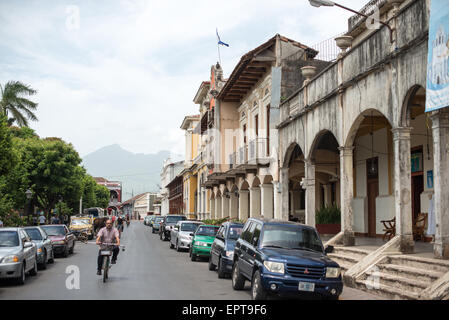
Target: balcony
[(232, 160), (243, 155), (258, 151), (368, 10)]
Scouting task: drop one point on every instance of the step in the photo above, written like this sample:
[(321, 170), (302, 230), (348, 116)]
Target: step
[(351, 251), (399, 282), (386, 291), (341, 257), (420, 263), (343, 263), (427, 276)]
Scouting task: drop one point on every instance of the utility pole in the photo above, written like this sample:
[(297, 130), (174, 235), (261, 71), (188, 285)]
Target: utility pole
[(81, 205)]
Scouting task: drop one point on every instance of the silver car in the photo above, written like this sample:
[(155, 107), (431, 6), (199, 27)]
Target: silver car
[(180, 237), (18, 254), (45, 253)]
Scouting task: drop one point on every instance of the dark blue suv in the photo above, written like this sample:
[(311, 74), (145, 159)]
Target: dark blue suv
[(284, 258), (222, 250)]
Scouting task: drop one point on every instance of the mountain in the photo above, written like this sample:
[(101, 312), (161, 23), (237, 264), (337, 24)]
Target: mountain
[(138, 172)]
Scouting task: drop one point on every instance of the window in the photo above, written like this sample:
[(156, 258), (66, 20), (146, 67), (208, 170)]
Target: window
[(246, 231), (256, 124), (248, 234), (291, 237), (256, 235), (234, 232), (9, 239)]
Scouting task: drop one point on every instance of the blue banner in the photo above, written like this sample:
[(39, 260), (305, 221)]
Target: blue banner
[(437, 94)]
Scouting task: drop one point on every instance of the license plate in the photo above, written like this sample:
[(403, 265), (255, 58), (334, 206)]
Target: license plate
[(106, 253), (306, 286)]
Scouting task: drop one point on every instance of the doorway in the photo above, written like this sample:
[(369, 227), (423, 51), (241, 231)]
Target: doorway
[(417, 180), (372, 192)]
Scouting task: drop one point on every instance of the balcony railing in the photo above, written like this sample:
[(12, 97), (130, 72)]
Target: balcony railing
[(232, 160), (368, 10), (198, 158), (243, 155), (257, 149)]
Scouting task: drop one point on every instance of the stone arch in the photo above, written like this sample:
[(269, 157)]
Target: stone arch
[(319, 140), (289, 154), (409, 103), (244, 185), (350, 136), (267, 179), (256, 182)]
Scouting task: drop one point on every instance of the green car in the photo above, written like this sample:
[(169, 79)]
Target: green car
[(202, 241)]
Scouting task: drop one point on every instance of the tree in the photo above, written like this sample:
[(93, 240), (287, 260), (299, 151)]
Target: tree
[(15, 106), (6, 152), (102, 196), (53, 171)]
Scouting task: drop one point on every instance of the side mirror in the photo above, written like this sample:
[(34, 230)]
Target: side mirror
[(27, 244), (328, 249), (192, 234)]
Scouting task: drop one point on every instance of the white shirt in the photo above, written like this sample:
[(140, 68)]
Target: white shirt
[(42, 219), (1, 223)]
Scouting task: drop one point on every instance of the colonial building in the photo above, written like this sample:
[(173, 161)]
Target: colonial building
[(244, 176), (115, 191), (169, 172), (190, 171)]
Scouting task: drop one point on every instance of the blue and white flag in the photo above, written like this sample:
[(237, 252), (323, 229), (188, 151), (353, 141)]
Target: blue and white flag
[(221, 42)]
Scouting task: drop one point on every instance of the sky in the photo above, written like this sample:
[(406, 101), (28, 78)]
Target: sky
[(126, 72)]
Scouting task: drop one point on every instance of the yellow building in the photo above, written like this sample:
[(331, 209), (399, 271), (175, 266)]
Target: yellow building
[(190, 174)]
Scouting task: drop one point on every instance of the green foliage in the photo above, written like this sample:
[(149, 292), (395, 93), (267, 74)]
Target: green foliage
[(328, 215), (6, 152), (15, 105), (23, 133), (62, 209)]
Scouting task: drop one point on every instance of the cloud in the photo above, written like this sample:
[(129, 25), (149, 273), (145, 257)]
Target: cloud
[(129, 73)]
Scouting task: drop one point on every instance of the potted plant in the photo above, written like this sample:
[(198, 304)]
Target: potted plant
[(328, 219)]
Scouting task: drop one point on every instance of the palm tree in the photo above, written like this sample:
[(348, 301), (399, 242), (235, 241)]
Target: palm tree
[(15, 106)]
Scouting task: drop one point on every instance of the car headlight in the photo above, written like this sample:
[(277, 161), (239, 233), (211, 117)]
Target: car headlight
[(229, 254), (39, 250), (201, 244), (275, 267), (10, 259), (333, 272)]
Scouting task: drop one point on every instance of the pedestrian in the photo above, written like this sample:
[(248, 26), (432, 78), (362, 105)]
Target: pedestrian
[(1, 223), (57, 221), (42, 219)]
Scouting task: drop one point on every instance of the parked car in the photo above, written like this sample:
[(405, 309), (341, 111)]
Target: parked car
[(44, 246), (156, 224), (62, 238), (168, 224), (151, 220), (222, 250), (146, 220), (202, 241), (80, 224), (18, 254), (180, 237), (284, 258)]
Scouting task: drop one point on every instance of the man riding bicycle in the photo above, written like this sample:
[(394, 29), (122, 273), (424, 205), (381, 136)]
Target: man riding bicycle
[(107, 234)]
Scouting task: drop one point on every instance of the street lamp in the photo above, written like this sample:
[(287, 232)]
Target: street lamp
[(28, 195), (327, 3)]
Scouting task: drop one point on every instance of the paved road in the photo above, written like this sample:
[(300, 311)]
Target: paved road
[(147, 269)]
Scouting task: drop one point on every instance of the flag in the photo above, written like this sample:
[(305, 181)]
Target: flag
[(221, 42)]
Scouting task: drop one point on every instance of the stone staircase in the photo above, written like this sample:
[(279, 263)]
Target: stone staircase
[(401, 277), (346, 257)]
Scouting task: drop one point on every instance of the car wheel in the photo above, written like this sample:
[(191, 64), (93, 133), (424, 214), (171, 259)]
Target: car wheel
[(33, 271), (221, 273), (52, 257), (44, 264), (21, 279), (257, 291), (238, 281), (65, 254), (177, 246), (211, 265)]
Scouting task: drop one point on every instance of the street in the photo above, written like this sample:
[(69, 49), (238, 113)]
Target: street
[(147, 269)]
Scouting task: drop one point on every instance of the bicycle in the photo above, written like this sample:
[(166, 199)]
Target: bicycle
[(106, 254)]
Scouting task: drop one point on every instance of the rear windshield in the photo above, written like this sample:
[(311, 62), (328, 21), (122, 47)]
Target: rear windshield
[(207, 231), (54, 230), (158, 219), (291, 237), (172, 219), (235, 232), (189, 226), (34, 234), (9, 239)]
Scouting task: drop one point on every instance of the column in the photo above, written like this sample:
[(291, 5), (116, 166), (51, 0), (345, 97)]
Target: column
[(309, 185), (266, 194), (243, 204), (233, 206), (224, 206), (218, 207), (327, 194), (347, 194), (283, 184), (212, 208), (276, 199), (402, 188), (440, 131), (254, 205)]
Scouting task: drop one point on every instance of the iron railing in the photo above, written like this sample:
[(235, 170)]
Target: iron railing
[(257, 149), (368, 10), (243, 155)]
